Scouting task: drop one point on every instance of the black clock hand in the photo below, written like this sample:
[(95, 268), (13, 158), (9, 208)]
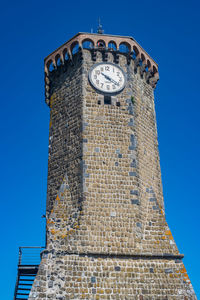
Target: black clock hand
[(112, 80), (106, 76), (115, 82)]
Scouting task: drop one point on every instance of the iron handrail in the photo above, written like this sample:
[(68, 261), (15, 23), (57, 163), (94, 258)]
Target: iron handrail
[(31, 256)]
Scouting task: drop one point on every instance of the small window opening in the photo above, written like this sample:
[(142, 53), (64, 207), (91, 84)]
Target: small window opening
[(107, 100), (118, 103)]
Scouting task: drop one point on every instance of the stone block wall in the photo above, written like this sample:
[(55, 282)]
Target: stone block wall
[(78, 277), (64, 190)]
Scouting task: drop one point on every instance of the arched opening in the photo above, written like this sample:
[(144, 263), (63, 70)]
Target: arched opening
[(124, 48), (101, 44), (143, 58), (87, 44), (74, 48), (50, 66), (65, 55), (58, 60), (148, 66), (135, 52), (143, 62), (112, 46), (155, 70)]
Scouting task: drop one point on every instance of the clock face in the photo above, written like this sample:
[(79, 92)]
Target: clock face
[(107, 78)]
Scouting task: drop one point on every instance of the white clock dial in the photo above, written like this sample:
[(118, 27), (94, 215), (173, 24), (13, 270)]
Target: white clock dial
[(107, 78)]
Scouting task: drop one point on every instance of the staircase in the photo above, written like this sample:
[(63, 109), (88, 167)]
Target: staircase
[(29, 260)]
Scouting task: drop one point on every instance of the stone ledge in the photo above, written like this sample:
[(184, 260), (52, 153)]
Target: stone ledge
[(114, 255)]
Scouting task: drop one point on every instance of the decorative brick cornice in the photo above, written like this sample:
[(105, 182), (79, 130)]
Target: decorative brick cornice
[(80, 38), (104, 43)]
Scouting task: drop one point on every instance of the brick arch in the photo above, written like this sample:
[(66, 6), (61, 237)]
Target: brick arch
[(101, 41), (57, 57), (135, 49), (143, 58), (114, 43), (64, 53), (123, 43), (155, 70), (87, 40), (73, 45), (48, 64), (148, 64)]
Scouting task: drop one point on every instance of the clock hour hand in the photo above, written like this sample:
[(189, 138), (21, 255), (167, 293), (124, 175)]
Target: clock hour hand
[(108, 77)]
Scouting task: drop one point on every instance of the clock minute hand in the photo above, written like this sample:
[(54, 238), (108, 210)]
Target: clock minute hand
[(108, 77)]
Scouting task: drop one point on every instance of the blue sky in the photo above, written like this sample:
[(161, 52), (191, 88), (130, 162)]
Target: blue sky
[(30, 30)]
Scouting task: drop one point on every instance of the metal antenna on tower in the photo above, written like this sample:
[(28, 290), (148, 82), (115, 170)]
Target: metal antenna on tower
[(100, 28)]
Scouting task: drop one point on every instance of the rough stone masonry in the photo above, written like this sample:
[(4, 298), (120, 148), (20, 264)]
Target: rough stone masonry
[(107, 237)]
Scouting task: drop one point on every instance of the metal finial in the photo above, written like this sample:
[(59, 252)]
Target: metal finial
[(100, 29)]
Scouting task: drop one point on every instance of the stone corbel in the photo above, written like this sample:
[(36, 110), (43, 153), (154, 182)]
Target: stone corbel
[(136, 63), (142, 69), (62, 59), (149, 74), (71, 60), (153, 80), (116, 57), (94, 54), (81, 54), (47, 88), (128, 59), (47, 98), (104, 55)]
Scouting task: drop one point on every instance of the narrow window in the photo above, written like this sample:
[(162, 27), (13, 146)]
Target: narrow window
[(107, 100)]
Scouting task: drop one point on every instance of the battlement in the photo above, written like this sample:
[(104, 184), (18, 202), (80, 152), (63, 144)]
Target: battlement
[(109, 42), (117, 45)]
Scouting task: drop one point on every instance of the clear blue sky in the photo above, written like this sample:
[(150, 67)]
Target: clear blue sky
[(29, 31)]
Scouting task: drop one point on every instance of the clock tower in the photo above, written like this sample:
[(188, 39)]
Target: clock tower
[(106, 234)]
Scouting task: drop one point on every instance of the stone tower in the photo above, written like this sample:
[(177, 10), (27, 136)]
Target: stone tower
[(106, 235)]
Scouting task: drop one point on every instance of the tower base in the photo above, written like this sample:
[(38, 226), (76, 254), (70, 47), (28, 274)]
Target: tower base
[(70, 276)]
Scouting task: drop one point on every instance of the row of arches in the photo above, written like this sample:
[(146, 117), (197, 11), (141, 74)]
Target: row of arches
[(67, 51)]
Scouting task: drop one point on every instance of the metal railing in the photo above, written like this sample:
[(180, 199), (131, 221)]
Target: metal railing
[(28, 264), (29, 255)]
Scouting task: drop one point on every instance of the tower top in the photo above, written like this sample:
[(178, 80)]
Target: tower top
[(93, 42), (109, 42), (100, 28)]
